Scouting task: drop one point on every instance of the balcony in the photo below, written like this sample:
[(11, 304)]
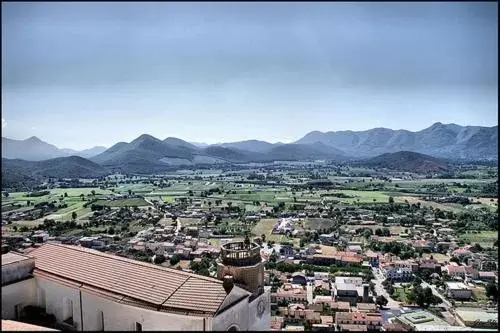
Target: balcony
[(240, 254)]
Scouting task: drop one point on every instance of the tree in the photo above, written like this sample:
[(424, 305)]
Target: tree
[(129, 192), (159, 259), (391, 200), (73, 215), (410, 297), (492, 291), (6, 194), (381, 301), (174, 260), (378, 232), (247, 241), (477, 248), (367, 233), (14, 228), (65, 194), (93, 192)]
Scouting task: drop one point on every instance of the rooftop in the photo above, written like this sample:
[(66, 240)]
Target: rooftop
[(11, 257), (354, 328), (130, 281), (348, 279), (357, 316), (452, 268), (478, 314), (10, 325), (418, 319), (456, 285)]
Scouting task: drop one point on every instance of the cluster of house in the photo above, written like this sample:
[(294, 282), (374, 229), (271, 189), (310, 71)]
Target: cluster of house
[(22, 244), (343, 304), (170, 241), (29, 214)]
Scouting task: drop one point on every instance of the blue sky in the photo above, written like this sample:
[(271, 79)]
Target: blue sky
[(84, 74)]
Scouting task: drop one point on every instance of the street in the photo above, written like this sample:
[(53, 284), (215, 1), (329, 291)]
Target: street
[(445, 304), (379, 289)]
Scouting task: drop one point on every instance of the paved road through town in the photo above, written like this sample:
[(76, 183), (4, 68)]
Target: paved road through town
[(445, 304), (379, 289)]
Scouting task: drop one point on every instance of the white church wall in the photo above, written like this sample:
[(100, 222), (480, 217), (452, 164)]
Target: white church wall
[(20, 293)]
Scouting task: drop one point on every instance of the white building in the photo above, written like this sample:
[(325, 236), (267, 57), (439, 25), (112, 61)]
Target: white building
[(397, 271), (458, 290), (90, 290)]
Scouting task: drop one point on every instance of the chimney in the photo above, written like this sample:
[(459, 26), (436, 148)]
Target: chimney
[(365, 293), (228, 283)]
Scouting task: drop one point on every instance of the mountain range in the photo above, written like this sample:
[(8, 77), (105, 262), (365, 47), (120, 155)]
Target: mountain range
[(406, 161), (34, 149), (148, 154), (440, 140)]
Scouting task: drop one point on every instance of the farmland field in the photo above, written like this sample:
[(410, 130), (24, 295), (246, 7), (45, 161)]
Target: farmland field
[(484, 238), (456, 208), (361, 196), (139, 202), (264, 226)]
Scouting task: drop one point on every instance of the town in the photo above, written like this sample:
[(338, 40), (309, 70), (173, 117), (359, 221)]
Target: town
[(253, 166), (345, 250)]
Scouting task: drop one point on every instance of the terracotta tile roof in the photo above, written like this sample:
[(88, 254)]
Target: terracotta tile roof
[(351, 259), (354, 328), (366, 306), (452, 268), (358, 317), (10, 325), (326, 320), (134, 281)]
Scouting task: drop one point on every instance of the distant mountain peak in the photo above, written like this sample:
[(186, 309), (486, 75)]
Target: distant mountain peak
[(33, 139), (146, 137)]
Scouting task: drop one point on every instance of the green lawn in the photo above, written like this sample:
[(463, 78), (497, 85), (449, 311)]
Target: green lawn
[(400, 294)]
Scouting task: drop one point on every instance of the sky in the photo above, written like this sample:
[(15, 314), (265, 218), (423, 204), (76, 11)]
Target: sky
[(79, 75)]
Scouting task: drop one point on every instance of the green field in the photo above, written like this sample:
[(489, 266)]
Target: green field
[(264, 226), (136, 188), (72, 200), (139, 202), (484, 238)]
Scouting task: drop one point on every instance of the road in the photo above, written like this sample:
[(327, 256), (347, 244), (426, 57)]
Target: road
[(178, 227), (379, 289), (445, 304), (149, 202), (309, 289)]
